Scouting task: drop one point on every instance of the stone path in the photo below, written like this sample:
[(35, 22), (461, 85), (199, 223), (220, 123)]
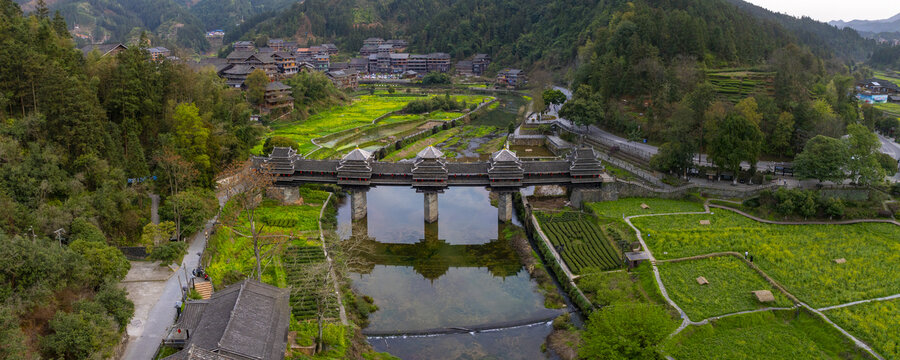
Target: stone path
[(687, 322), (337, 290)]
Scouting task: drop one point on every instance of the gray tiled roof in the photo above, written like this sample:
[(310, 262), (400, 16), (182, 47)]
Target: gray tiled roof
[(277, 85), (358, 155), (240, 54), (430, 152), (247, 320)]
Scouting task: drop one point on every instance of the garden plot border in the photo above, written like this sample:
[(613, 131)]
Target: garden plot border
[(687, 322)]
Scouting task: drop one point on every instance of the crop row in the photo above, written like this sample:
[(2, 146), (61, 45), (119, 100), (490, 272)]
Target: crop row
[(303, 299), (582, 245)]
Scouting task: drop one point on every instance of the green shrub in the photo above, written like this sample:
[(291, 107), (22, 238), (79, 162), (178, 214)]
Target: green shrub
[(169, 252)]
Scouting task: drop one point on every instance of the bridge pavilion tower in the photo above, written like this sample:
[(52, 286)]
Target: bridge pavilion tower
[(354, 173), (430, 175), (506, 174)]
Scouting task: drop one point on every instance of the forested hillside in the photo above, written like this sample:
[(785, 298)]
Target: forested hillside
[(72, 132), (172, 23), (547, 34)]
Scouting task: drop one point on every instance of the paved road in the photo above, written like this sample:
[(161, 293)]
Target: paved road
[(145, 339), (162, 315), (888, 146)]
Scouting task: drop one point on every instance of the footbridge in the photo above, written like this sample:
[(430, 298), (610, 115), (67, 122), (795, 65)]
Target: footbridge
[(431, 174)]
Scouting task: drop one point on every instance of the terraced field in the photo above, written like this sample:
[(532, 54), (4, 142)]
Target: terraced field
[(581, 243), (296, 267), (737, 84)]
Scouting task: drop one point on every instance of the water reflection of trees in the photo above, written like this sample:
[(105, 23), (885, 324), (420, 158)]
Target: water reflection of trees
[(431, 257)]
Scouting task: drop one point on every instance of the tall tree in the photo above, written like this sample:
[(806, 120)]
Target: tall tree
[(863, 147), (256, 86), (823, 158), (735, 139)]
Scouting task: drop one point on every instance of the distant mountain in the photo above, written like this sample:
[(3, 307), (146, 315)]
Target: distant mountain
[(823, 39), (180, 23), (888, 25)]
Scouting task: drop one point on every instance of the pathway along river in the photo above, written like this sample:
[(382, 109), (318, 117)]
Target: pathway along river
[(431, 278)]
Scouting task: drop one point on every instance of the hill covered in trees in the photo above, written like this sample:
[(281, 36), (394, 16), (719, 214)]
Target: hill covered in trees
[(77, 138), (548, 34), (175, 23)]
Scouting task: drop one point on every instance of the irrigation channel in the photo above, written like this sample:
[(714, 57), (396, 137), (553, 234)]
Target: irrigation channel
[(454, 289)]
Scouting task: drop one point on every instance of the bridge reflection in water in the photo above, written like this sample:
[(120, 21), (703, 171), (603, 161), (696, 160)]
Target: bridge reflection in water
[(457, 272), (432, 257)]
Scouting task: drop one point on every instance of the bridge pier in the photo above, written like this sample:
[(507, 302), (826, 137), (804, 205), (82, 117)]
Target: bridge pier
[(358, 204), (504, 206), (431, 206)]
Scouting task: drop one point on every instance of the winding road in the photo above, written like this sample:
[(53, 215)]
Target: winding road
[(640, 149)]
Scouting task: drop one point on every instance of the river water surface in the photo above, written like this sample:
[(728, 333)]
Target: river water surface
[(457, 274)]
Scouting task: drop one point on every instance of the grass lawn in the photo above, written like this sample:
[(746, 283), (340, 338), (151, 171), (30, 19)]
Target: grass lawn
[(729, 290), (785, 334), (800, 257), (632, 206), (638, 285), (876, 323)]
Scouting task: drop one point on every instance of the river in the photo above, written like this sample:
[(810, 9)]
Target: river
[(454, 289)]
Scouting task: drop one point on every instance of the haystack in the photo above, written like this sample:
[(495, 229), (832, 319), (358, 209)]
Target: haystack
[(840, 261), (764, 296), (704, 222), (702, 281), (644, 206)]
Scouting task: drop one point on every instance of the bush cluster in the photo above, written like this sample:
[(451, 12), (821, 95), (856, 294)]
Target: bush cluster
[(805, 203), (443, 103)]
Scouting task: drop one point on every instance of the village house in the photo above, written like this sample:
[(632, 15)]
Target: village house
[(236, 74), (104, 49), (464, 68), (418, 63), (511, 78), (373, 41), (480, 63), (330, 49), (344, 79), (367, 50), (398, 45), (244, 46), (277, 96), (159, 53), (275, 44), (875, 91), (247, 320), (438, 62), (286, 62), (360, 64), (398, 62)]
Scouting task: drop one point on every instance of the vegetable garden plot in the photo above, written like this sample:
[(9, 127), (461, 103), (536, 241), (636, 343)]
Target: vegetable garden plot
[(580, 242)]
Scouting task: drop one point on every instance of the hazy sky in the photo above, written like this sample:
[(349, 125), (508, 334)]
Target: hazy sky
[(827, 10)]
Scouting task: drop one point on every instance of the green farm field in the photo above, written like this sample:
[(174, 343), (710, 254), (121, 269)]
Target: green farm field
[(875, 323), (782, 334), (632, 206), (362, 111), (581, 243), (232, 254), (800, 257), (731, 282)]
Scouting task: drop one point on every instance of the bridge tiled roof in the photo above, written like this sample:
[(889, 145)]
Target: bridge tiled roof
[(546, 166), (316, 165), (392, 168), (477, 168)]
